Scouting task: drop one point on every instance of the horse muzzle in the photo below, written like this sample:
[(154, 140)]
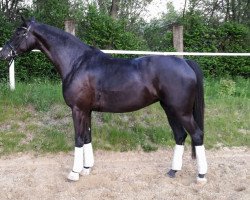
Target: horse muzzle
[(6, 55), (1, 56)]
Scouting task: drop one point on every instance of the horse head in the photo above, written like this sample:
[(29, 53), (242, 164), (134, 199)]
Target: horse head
[(21, 41)]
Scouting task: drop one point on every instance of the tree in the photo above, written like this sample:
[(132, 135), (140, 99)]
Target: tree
[(222, 10), (12, 8), (158, 33), (53, 12), (114, 9), (101, 30), (129, 9)]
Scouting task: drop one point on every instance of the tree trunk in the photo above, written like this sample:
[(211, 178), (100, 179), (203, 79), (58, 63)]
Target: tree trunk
[(215, 7), (233, 10), (184, 9), (227, 17), (114, 9)]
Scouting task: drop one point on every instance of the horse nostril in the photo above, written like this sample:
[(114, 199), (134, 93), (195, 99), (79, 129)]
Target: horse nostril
[(2, 55)]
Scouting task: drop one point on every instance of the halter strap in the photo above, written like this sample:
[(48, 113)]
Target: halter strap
[(12, 48)]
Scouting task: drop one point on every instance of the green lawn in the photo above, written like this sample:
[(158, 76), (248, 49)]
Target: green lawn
[(35, 118)]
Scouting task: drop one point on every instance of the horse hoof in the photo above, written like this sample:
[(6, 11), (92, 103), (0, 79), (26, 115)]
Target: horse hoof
[(171, 173), (73, 176), (201, 181), (85, 171)]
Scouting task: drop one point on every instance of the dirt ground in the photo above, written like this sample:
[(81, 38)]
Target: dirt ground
[(128, 175)]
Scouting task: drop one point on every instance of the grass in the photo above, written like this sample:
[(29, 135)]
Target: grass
[(41, 95), (228, 112), (35, 118)]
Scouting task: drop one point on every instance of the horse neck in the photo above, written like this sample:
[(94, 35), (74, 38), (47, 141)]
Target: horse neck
[(62, 48)]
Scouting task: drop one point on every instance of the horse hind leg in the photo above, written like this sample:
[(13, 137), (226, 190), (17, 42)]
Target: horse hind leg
[(196, 134), (179, 136)]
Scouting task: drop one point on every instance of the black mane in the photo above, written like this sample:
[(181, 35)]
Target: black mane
[(61, 36)]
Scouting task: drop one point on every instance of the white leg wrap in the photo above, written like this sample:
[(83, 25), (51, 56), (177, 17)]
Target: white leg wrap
[(85, 171), (73, 176), (78, 159), (78, 164), (201, 159), (88, 155), (177, 158)]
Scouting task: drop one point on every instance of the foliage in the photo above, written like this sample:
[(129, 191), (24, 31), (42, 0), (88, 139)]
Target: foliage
[(5, 28), (218, 32), (52, 12), (12, 8), (201, 36), (130, 10), (226, 37), (5, 31), (222, 11), (101, 30), (158, 33), (158, 37)]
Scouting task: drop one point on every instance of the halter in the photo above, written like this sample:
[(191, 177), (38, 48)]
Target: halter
[(13, 52)]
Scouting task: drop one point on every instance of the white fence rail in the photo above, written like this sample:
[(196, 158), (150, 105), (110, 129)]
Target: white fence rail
[(173, 53), (12, 67)]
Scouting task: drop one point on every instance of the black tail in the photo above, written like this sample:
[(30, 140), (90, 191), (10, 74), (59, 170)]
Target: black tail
[(199, 104)]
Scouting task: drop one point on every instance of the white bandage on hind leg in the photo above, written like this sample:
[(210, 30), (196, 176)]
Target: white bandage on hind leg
[(201, 159), (78, 159), (177, 158), (88, 155)]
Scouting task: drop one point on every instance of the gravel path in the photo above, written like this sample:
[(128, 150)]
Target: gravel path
[(126, 175)]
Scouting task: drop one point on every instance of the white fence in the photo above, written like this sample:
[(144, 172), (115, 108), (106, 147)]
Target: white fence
[(12, 67)]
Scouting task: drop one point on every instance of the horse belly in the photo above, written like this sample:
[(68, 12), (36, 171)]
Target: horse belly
[(120, 101)]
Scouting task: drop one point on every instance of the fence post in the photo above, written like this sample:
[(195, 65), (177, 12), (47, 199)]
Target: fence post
[(12, 76), (70, 26), (178, 38)]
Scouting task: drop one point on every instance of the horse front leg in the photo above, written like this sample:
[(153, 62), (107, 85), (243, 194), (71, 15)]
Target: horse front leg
[(88, 151), (83, 146)]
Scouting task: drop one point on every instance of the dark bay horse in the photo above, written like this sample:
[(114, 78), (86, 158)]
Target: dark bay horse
[(94, 81)]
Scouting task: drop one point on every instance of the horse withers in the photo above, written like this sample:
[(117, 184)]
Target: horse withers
[(95, 81)]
